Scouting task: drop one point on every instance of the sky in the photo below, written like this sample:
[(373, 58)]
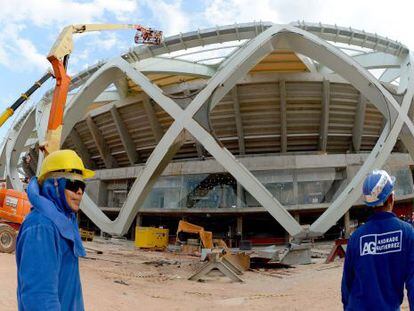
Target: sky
[(28, 28)]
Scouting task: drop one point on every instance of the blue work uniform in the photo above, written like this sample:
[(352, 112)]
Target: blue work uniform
[(47, 251), (379, 261)]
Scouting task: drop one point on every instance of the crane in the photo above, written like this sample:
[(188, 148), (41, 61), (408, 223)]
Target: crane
[(59, 56), (23, 98), (14, 205)]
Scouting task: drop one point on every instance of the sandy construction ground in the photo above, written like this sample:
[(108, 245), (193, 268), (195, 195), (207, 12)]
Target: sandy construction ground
[(123, 278)]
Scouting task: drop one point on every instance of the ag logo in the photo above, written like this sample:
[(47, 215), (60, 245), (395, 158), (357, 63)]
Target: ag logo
[(379, 244), (369, 248)]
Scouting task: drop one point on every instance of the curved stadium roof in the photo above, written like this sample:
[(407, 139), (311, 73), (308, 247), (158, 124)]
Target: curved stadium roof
[(184, 64)]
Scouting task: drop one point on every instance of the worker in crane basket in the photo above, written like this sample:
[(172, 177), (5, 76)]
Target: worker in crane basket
[(380, 254), (49, 244)]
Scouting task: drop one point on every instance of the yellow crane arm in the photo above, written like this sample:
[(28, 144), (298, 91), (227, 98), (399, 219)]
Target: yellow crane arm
[(23, 98), (64, 43), (58, 57)]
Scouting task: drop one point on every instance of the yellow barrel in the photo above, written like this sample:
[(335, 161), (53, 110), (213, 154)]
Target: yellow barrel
[(150, 237)]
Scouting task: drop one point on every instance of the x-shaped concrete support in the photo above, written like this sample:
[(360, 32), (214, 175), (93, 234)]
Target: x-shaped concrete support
[(165, 150), (226, 77)]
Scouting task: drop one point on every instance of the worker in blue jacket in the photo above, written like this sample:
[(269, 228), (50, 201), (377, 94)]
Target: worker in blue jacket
[(380, 254), (49, 244)]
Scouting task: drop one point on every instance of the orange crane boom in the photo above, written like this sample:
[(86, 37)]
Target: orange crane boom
[(59, 56), (14, 205)]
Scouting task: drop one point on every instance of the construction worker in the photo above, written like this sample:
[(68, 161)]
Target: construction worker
[(49, 244), (380, 254)]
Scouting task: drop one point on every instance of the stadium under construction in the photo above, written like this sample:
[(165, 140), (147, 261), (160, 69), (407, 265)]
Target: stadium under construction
[(255, 131)]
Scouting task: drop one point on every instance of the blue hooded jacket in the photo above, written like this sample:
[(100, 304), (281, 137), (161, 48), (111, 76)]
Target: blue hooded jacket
[(47, 251), (379, 261)]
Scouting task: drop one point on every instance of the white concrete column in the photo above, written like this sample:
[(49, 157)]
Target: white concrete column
[(240, 196)]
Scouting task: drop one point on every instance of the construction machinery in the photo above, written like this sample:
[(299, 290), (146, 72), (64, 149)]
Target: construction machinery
[(59, 57), (23, 98), (151, 238), (14, 205), (186, 230), (220, 257)]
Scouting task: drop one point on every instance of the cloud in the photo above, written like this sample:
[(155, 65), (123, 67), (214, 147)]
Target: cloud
[(42, 18), (105, 41), (29, 27), (219, 12), (18, 53), (45, 13), (372, 16), (171, 17), (30, 54)]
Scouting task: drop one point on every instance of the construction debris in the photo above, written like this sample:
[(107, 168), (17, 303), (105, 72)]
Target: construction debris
[(239, 260), (161, 262), (265, 263), (329, 267), (94, 250), (121, 282), (293, 254), (221, 263)]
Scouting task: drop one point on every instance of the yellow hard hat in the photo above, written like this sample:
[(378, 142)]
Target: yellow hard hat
[(64, 161)]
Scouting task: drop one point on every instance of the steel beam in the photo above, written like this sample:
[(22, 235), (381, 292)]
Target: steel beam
[(174, 66), (375, 60), (100, 143), (126, 139), (354, 37), (122, 87), (152, 118), (81, 148), (283, 116), (199, 150), (358, 128), (324, 127), (329, 55), (237, 116)]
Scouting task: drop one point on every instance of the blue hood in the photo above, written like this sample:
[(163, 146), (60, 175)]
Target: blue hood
[(51, 202)]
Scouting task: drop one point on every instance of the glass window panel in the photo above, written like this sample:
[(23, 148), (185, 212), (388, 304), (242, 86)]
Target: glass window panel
[(403, 181), (313, 192), (165, 193), (209, 191), (278, 182)]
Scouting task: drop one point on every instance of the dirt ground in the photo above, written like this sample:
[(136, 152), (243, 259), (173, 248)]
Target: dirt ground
[(123, 278)]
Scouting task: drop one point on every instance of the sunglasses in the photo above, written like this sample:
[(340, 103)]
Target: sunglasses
[(75, 185)]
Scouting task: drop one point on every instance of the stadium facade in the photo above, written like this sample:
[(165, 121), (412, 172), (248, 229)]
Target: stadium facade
[(255, 131)]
